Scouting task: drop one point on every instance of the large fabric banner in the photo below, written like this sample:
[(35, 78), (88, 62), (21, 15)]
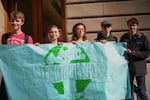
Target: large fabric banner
[(82, 71)]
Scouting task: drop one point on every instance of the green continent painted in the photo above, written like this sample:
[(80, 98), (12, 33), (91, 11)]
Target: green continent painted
[(55, 51), (59, 86), (81, 85), (85, 60)]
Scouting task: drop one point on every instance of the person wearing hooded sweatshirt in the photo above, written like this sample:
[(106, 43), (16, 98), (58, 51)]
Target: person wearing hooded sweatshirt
[(105, 35)]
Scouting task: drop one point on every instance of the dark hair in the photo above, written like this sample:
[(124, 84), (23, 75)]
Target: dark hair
[(132, 20), (74, 31)]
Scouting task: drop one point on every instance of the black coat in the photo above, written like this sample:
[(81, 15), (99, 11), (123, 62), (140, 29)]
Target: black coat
[(140, 48)]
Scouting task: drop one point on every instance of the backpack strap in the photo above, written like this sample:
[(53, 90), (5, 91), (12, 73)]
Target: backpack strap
[(6, 35), (26, 36)]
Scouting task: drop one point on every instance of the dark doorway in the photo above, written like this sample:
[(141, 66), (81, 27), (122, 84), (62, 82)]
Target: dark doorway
[(39, 14)]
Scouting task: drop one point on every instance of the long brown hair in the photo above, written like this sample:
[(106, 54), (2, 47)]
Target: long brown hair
[(74, 31)]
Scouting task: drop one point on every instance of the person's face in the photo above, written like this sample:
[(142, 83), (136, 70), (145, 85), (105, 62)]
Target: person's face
[(16, 23), (80, 30), (106, 29), (133, 28), (54, 34)]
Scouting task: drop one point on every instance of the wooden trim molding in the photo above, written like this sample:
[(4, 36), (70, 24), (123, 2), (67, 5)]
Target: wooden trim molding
[(37, 20), (63, 18)]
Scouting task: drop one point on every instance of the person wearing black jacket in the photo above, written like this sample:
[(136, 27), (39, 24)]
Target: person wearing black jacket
[(105, 35), (138, 49)]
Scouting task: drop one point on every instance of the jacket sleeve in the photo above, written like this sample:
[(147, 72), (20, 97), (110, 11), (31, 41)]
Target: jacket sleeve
[(144, 53)]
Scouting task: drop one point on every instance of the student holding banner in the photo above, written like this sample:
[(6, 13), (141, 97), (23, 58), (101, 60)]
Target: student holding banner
[(16, 36), (54, 34), (79, 33), (105, 35), (138, 49)]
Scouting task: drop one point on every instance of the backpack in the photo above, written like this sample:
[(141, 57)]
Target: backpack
[(7, 35)]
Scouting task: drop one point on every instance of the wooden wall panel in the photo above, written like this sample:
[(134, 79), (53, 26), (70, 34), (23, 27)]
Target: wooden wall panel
[(108, 8), (79, 1), (88, 1), (84, 10), (2, 24), (127, 7), (119, 23), (1, 29)]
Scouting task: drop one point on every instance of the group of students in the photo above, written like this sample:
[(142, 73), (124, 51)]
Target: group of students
[(79, 33), (138, 47)]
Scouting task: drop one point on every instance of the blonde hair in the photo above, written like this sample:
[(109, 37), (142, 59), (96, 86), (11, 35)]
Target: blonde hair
[(54, 26), (16, 15)]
